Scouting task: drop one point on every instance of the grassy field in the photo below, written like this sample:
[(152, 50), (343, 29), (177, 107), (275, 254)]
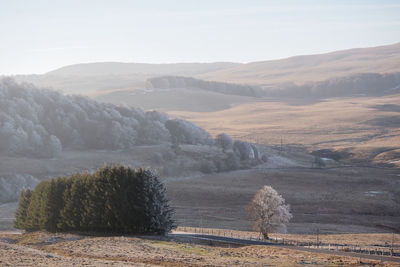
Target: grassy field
[(173, 99), (367, 127), (373, 241), (303, 69), (44, 249), (337, 200)]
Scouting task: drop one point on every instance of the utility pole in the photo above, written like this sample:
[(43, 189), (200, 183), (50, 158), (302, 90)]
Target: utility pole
[(317, 237)]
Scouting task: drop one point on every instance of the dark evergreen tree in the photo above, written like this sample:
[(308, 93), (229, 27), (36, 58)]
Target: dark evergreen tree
[(112, 200), (20, 215), (52, 204), (73, 200), (157, 209), (35, 212)]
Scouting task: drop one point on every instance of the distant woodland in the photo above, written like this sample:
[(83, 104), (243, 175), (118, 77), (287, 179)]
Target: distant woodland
[(41, 123), (368, 84)]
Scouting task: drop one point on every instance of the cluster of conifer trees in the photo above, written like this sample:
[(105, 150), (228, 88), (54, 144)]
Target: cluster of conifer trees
[(112, 200)]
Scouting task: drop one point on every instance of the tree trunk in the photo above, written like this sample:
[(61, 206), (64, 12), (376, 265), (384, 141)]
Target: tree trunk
[(265, 235)]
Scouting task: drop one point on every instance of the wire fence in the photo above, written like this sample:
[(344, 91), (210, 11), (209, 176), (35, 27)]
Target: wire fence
[(388, 249)]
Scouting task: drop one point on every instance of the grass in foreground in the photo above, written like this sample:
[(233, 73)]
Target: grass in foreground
[(42, 249)]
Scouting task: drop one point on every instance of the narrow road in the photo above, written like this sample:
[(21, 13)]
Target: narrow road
[(245, 242)]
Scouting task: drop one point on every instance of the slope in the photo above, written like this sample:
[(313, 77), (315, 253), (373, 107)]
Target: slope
[(302, 69)]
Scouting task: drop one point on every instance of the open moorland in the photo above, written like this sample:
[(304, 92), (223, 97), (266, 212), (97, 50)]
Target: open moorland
[(333, 200), (335, 160), (366, 128), (310, 68)]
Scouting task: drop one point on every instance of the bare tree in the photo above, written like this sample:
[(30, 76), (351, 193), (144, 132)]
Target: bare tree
[(269, 210)]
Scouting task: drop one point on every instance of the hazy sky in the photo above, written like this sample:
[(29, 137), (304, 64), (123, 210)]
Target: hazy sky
[(38, 36)]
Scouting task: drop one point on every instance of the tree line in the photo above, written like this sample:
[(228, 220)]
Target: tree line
[(114, 199), (41, 123), (164, 82)]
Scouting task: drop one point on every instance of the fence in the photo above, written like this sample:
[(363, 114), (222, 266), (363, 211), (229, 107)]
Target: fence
[(371, 249)]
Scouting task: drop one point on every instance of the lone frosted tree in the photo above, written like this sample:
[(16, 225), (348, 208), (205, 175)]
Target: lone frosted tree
[(269, 211)]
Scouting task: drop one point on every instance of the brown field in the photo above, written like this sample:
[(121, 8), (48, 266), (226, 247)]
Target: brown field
[(302, 69), (367, 127), (44, 249), (376, 240), (337, 200), (172, 99)]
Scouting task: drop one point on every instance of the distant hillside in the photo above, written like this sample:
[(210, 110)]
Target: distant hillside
[(118, 68), (312, 68), (94, 78), (90, 78)]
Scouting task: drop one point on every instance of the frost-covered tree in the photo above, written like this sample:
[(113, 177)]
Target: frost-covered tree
[(11, 186), (224, 141), (269, 211), (153, 132), (157, 208), (185, 132), (243, 150), (255, 152), (41, 123)]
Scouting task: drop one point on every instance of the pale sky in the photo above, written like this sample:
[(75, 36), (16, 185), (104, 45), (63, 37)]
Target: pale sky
[(41, 35)]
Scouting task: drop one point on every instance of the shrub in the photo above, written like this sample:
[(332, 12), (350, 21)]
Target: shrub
[(264, 157), (207, 166)]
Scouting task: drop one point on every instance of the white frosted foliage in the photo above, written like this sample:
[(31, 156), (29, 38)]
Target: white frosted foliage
[(40, 123), (157, 206), (269, 210)]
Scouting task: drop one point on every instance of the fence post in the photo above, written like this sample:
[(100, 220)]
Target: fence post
[(391, 248)]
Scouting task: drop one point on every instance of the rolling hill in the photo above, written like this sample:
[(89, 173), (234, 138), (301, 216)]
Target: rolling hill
[(120, 68), (92, 78), (312, 68)]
